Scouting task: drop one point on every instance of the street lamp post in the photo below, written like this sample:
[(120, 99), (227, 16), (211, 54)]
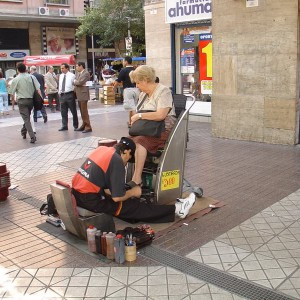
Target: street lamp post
[(128, 40)]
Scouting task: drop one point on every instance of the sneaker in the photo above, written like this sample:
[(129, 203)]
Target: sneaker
[(183, 206)]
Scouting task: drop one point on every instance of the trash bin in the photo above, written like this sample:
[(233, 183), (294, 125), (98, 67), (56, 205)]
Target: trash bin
[(4, 181)]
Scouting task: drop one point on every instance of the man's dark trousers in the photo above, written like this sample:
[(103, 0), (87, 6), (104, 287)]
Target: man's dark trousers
[(67, 101)]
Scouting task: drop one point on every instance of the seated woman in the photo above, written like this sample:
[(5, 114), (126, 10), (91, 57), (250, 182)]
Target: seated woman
[(157, 98)]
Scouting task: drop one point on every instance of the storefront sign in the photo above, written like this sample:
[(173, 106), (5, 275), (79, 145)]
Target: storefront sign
[(8, 55), (205, 63), (187, 57), (187, 10), (251, 3)]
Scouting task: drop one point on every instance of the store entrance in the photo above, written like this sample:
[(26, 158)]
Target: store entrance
[(8, 68)]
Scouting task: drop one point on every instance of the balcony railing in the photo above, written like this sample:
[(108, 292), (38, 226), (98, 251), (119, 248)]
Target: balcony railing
[(64, 2)]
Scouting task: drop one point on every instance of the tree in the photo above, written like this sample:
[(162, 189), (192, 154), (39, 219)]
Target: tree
[(109, 21)]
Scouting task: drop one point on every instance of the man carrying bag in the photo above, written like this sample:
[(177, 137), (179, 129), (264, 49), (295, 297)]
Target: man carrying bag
[(23, 87)]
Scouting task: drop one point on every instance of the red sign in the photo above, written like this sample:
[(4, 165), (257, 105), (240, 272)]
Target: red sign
[(205, 62), (47, 60)]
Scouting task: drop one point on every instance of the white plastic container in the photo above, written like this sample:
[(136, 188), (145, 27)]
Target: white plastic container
[(90, 232)]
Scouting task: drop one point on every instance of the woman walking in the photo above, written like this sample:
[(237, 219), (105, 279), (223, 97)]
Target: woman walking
[(3, 96)]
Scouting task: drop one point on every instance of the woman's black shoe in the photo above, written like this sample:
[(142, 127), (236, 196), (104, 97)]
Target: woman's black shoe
[(23, 135), (33, 140)]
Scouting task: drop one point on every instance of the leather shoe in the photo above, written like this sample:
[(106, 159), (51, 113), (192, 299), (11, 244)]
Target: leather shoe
[(45, 119), (79, 129), (87, 130), (33, 140), (63, 129)]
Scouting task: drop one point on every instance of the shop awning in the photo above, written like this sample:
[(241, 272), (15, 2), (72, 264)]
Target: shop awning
[(46, 60)]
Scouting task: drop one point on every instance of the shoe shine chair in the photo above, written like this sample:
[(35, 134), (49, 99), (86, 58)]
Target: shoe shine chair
[(163, 174), (77, 219)]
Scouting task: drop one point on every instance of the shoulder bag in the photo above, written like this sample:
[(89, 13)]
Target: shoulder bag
[(38, 101), (146, 127)]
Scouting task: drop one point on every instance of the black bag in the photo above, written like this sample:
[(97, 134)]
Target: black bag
[(143, 234), (38, 101), (49, 207), (147, 128)]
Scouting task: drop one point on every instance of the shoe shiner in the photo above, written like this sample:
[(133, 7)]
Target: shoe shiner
[(99, 186)]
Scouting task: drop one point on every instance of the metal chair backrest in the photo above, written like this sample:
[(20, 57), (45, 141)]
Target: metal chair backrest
[(179, 103)]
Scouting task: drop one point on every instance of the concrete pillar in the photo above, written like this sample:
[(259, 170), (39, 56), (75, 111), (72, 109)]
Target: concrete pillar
[(255, 71), (158, 41)]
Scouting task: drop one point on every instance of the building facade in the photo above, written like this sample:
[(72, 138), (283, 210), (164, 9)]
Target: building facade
[(244, 58), (39, 27)]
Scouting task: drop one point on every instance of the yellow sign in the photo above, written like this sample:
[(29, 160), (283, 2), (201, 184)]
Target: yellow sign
[(170, 180)]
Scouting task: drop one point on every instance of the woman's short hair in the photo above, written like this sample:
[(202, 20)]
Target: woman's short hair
[(143, 73)]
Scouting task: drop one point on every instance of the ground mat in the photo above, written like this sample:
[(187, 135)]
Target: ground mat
[(202, 206)]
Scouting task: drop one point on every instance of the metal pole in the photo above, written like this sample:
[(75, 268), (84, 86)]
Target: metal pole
[(93, 53), (129, 35)]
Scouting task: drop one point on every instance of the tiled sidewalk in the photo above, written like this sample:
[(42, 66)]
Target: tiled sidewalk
[(263, 250)]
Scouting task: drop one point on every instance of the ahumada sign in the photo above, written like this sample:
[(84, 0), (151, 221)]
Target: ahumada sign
[(187, 10)]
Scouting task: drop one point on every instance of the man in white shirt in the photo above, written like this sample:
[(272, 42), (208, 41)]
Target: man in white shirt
[(67, 97)]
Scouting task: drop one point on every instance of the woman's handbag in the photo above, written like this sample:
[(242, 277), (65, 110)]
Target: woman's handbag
[(38, 101), (146, 127)]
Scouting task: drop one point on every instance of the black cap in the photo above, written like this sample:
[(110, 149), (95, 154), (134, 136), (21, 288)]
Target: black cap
[(130, 145)]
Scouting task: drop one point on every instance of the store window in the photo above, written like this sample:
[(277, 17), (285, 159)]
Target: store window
[(13, 38), (194, 60), (64, 2)]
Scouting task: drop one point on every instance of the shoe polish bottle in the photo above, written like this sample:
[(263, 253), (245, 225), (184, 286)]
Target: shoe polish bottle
[(119, 249), (98, 241), (90, 232), (110, 254), (103, 243)]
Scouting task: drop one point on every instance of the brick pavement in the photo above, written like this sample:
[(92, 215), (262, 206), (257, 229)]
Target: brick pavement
[(251, 178)]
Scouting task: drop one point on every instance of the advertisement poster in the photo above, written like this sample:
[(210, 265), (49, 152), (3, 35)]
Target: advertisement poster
[(60, 41), (205, 63), (187, 58), (189, 38)]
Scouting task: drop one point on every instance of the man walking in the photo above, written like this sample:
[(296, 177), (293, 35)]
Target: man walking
[(67, 97), (83, 95), (52, 89), (40, 79), (23, 85), (130, 93)]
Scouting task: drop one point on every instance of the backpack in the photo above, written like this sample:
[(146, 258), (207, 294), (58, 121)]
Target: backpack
[(49, 207)]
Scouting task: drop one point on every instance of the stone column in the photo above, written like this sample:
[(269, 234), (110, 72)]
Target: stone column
[(255, 71), (158, 40)]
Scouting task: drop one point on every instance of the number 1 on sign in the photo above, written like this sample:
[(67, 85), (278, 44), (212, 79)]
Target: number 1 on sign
[(208, 51)]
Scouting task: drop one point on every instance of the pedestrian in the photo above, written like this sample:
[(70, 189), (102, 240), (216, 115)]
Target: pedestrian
[(23, 85), (130, 92), (67, 96), (99, 186), (3, 95), (41, 80), (83, 96), (52, 89)]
